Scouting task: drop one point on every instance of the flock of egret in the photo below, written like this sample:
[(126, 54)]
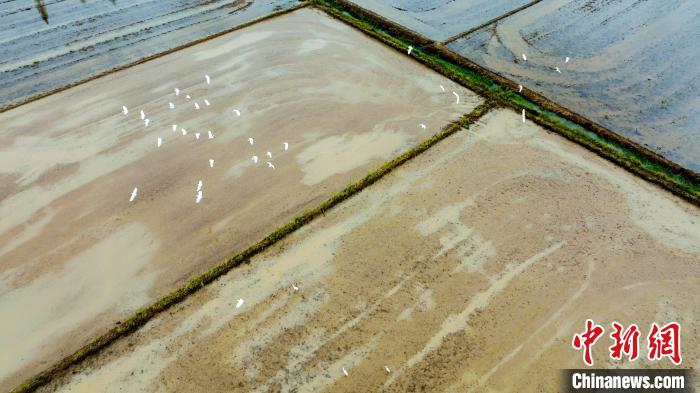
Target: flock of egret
[(159, 141), (520, 87)]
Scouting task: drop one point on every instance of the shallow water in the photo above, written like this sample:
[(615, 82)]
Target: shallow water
[(633, 65), (80, 39)]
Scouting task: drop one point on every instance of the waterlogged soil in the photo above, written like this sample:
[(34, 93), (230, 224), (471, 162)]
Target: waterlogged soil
[(441, 19), (76, 255), (633, 65), (79, 39), (468, 269)]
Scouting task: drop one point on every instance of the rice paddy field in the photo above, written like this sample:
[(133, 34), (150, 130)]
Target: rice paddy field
[(341, 196)]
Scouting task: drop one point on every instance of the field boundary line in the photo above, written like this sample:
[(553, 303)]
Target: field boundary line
[(27, 100), (145, 314), (615, 148)]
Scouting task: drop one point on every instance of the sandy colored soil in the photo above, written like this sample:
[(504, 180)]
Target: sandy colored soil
[(469, 268), (633, 65), (76, 256), (85, 38)]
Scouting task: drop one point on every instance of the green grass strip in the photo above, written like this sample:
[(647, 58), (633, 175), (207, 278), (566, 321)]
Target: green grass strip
[(145, 314), (613, 147)]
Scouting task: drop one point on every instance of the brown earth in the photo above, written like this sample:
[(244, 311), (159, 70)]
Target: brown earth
[(469, 268), (76, 256)]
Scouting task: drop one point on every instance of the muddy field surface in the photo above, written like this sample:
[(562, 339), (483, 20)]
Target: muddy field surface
[(83, 38), (439, 20), (468, 269), (633, 65), (76, 255)]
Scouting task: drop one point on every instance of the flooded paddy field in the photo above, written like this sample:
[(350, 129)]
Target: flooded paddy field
[(433, 279), (45, 45), (76, 255), (633, 65), (439, 20)]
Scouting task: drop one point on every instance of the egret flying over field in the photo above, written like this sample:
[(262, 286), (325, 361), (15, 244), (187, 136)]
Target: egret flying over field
[(143, 115), (523, 115), (207, 78), (237, 112), (124, 110), (211, 163), (160, 141), (269, 154), (239, 303), (145, 122), (196, 106), (422, 126), (171, 105), (255, 159), (199, 197), (524, 57), (177, 91), (345, 371), (206, 102), (410, 49), (566, 60), (251, 140), (199, 185), (133, 194), (270, 165), (456, 95), (196, 135), (286, 146)]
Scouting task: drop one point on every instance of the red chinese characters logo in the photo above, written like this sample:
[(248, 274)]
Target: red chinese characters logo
[(665, 342), (586, 340), (661, 342)]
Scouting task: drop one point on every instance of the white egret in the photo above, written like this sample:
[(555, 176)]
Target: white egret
[(171, 105), (523, 115), (237, 112), (211, 163), (456, 95), (422, 126), (269, 154), (566, 60), (196, 135), (270, 165), (206, 102), (207, 78), (442, 88), (255, 159), (184, 131), (239, 303), (211, 136), (124, 110), (410, 49), (133, 194), (160, 141), (286, 146), (199, 197), (199, 185), (177, 91), (251, 140), (387, 369), (196, 105), (558, 70), (520, 88), (174, 127), (145, 122), (143, 115), (524, 57), (345, 371)]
